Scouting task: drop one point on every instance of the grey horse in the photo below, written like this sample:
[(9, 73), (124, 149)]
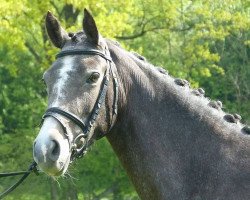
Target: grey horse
[(173, 142)]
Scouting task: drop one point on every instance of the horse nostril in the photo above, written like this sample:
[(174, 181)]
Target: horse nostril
[(55, 150)]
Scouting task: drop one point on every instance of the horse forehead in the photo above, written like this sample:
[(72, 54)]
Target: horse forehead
[(67, 66), (71, 68), (64, 66)]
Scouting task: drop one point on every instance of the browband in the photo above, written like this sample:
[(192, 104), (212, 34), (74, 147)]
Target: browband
[(82, 52)]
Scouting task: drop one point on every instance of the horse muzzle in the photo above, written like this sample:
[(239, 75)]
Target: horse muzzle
[(51, 149)]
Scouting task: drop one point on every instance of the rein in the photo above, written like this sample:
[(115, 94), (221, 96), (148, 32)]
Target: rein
[(32, 168), (77, 152)]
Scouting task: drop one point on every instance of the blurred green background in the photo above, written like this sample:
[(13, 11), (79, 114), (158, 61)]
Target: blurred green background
[(204, 41)]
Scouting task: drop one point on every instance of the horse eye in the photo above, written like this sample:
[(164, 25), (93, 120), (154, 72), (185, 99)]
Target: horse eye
[(94, 77)]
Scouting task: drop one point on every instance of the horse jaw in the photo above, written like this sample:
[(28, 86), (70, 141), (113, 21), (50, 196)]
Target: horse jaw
[(51, 149)]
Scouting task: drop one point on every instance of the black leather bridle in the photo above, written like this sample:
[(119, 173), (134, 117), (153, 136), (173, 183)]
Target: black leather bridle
[(85, 127), (76, 151), (32, 168)]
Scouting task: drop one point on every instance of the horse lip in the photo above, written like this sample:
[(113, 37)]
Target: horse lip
[(64, 167), (60, 172)]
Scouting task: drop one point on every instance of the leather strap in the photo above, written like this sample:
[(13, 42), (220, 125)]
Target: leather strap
[(32, 168), (69, 115), (83, 52)]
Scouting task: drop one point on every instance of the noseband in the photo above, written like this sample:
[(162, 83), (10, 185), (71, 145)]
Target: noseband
[(86, 127)]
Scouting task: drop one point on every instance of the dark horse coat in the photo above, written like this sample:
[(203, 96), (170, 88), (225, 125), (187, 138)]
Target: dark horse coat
[(173, 142)]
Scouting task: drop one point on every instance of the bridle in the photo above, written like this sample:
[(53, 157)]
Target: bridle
[(85, 127), (32, 168)]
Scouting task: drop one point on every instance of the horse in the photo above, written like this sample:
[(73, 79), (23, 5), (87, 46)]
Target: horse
[(173, 142)]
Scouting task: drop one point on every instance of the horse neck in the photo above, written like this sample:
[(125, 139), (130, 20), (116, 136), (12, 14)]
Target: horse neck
[(162, 130)]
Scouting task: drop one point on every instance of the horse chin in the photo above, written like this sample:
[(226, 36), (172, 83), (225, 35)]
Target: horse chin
[(57, 169), (65, 166)]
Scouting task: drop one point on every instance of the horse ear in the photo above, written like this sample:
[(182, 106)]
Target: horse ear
[(56, 33), (90, 28)]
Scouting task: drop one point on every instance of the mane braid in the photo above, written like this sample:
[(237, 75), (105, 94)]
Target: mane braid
[(160, 73)]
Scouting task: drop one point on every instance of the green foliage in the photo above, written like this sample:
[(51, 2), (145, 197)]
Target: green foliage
[(206, 42)]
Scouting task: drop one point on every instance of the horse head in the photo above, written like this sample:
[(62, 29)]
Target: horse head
[(77, 84)]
